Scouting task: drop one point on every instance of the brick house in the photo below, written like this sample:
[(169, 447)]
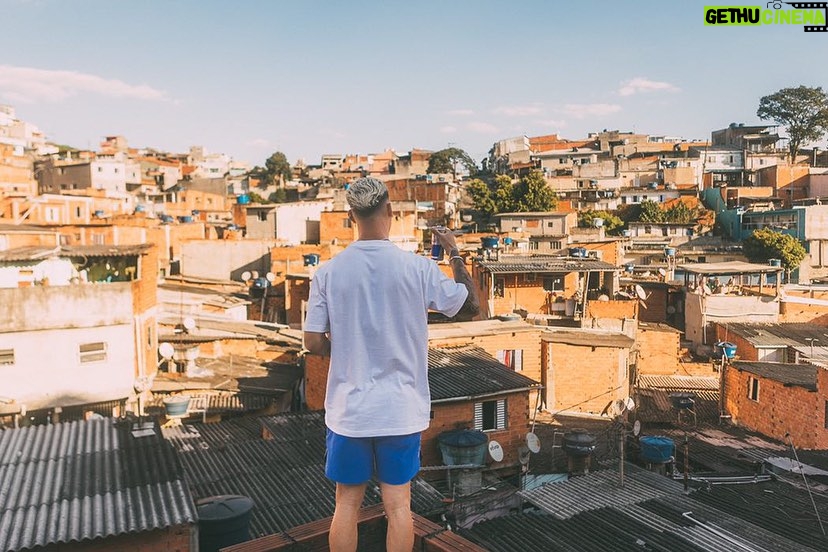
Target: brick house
[(792, 342), (549, 285), (584, 370), (779, 400), (470, 389)]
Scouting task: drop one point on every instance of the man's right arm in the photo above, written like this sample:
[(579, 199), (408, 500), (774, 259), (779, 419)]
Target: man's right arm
[(471, 307)]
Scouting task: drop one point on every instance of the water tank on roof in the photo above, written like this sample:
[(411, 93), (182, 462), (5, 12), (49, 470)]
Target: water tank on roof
[(489, 242), (775, 262), (580, 252), (683, 400), (578, 442), (311, 259), (223, 521), (463, 446), (656, 449), (243, 199)]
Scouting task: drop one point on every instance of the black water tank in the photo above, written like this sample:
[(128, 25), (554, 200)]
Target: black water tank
[(223, 521), (579, 442)]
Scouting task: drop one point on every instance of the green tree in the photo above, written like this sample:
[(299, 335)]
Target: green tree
[(449, 160), (680, 213), (612, 223), (651, 212), (279, 196), (504, 195), (766, 244), (482, 197), (802, 111), (277, 168), (532, 194), (256, 198)]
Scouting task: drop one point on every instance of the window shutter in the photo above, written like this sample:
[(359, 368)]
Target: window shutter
[(478, 416), (501, 414), (518, 360)]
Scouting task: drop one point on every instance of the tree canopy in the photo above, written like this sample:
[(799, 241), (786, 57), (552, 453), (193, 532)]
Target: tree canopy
[(276, 168), (802, 111), (766, 244), (612, 223), (448, 160), (529, 194)]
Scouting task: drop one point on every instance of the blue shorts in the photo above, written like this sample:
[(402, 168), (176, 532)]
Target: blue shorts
[(393, 460)]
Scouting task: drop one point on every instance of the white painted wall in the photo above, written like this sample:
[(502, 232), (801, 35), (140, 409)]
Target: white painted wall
[(291, 219)]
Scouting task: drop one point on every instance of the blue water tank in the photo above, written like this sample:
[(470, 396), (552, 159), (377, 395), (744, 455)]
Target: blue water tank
[(243, 199), (670, 251), (489, 242), (185, 218), (775, 262), (656, 449), (99, 214), (507, 241), (724, 348), (139, 208), (311, 259), (580, 252), (223, 521), (463, 446)]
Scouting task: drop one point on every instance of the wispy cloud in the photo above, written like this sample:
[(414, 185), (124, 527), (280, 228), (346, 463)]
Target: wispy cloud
[(30, 85), (461, 112), (642, 85), (260, 143), (579, 111), (518, 110), (557, 123), (448, 129), (479, 126)]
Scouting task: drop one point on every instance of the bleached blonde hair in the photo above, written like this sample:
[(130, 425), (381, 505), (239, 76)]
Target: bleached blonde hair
[(366, 195)]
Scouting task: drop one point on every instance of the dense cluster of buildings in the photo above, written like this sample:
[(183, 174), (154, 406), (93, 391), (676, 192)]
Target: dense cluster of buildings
[(151, 313)]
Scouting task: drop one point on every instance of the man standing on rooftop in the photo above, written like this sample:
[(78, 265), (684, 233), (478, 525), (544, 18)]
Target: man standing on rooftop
[(368, 310)]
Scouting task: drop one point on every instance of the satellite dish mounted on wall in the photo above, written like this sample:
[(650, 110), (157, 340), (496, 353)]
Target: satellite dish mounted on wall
[(637, 428), (188, 323), (245, 276), (642, 295), (523, 455), (495, 451), (270, 277), (533, 443), (166, 350)]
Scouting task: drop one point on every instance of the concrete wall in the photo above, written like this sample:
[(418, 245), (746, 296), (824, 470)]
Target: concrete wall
[(292, 221), (225, 259), (701, 310)]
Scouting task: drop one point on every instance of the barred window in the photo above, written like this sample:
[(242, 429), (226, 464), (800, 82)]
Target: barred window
[(753, 389), (6, 356)]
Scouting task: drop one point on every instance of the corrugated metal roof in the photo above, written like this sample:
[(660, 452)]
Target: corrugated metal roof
[(103, 250), (679, 383), (802, 375), (780, 335), (284, 476), (78, 481), (541, 263), (28, 253), (730, 267), (469, 371)]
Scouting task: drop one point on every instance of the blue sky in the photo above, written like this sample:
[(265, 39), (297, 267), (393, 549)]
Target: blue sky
[(310, 77)]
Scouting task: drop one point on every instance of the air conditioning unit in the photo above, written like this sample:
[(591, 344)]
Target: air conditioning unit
[(593, 254)]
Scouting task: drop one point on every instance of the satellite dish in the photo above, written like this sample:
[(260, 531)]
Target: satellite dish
[(495, 451), (188, 323), (166, 350), (662, 272), (532, 442), (629, 404), (636, 428), (143, 383), (640, 292), (270, 277), (523, 455), (246, 275)]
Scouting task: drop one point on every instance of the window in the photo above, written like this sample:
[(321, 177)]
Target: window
[(77, 211), (530, 277), (346, 223), (92, 352), (553, 283), (100, 169), (512, 358), (550, 223), (6, 356), (262, 216), (490, 415), (826, 415), (753, 389)]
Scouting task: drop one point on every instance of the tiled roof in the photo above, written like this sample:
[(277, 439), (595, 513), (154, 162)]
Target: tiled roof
[(540, 263), (469, 371), (803, 375), (78, 481), (284, 476)]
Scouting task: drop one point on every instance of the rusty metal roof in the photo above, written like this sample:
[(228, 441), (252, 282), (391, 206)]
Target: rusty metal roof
[(469, 371), (546, 264), (85, 480)]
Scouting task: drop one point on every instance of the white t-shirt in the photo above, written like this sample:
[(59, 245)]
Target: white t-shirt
[(373, 299)]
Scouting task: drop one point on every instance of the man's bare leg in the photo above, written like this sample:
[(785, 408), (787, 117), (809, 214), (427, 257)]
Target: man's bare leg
[(343, 534), (397, 502)]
